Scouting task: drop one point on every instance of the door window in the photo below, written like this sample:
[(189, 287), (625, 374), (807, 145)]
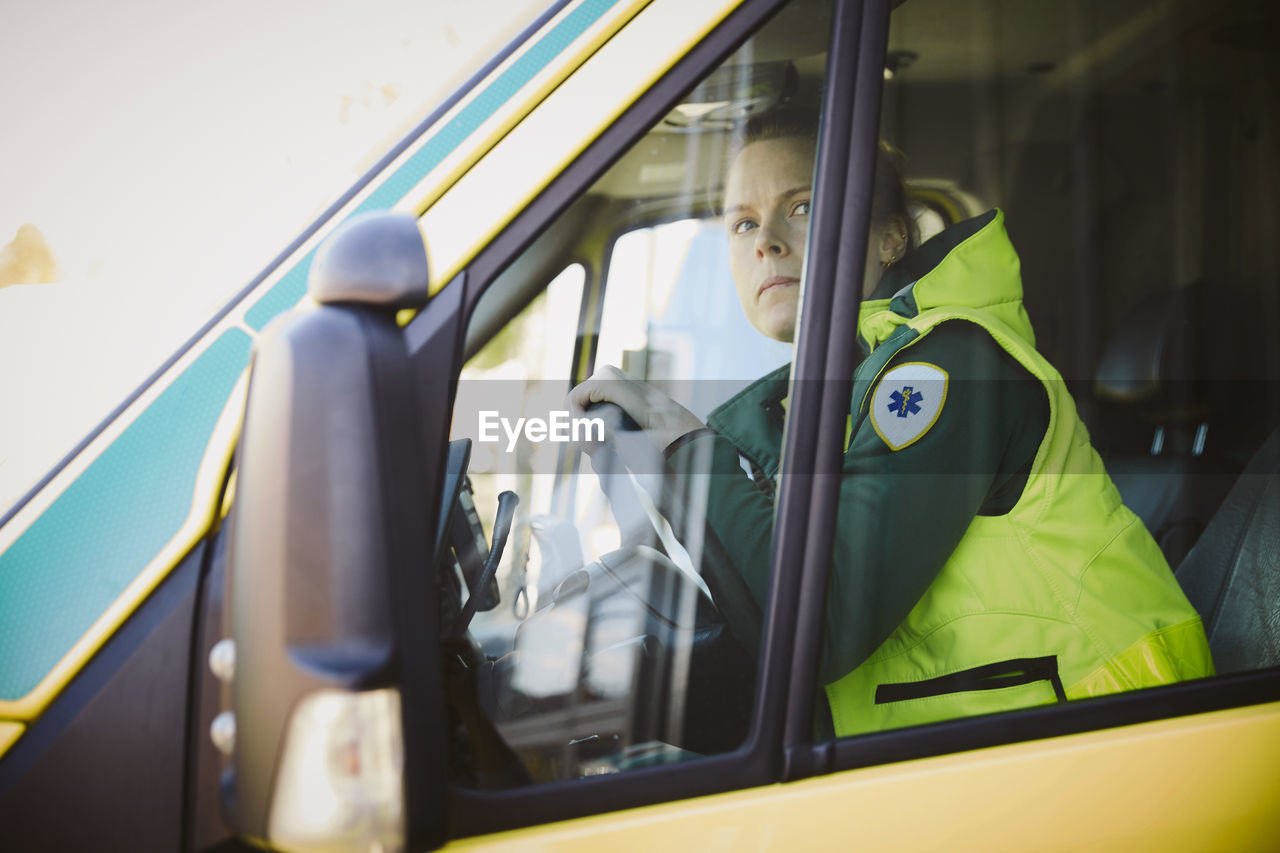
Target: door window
[(1046, 451), (614, 632)]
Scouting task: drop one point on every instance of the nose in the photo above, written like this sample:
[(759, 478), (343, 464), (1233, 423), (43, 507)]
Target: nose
[(769, 242)]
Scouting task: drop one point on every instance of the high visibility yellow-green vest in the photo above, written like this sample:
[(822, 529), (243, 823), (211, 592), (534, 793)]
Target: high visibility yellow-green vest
[(1065, 596)]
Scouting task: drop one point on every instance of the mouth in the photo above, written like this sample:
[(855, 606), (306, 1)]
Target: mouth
[(775, 281)]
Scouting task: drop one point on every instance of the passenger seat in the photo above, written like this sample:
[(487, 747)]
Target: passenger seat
[(1232, 575)]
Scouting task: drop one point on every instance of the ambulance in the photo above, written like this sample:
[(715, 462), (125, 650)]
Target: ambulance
[(340, 575)]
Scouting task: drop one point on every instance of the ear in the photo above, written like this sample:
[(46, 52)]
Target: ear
[(893, 241)]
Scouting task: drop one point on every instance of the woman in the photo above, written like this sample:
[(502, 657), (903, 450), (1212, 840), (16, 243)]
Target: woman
[(983, 560)]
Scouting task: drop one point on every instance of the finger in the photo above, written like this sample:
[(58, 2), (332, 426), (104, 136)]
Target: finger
[(579, 397), (611, 385), (629, 396), (591, 391)]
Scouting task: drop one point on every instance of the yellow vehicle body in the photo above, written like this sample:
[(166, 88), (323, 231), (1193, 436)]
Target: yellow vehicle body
[(1118, 789)]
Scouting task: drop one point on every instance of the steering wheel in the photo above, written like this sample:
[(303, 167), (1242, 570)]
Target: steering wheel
[(730, 595), (720, 635), (727, 640)]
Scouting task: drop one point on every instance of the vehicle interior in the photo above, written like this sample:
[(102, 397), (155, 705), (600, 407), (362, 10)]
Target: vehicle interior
[(1135, 149)]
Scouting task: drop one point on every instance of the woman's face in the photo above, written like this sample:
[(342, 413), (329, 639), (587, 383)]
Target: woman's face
[(766, 215)]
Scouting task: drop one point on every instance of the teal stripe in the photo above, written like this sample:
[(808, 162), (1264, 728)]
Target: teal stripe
[(282, 296), (293, 286), (94, 539)]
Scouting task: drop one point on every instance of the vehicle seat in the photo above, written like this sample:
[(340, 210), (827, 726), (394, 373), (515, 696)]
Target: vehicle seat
[(937, 204), (1232, 575), (1166, 415)]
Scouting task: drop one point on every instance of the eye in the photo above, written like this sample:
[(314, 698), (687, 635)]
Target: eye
[(742, 226), (801, 208)]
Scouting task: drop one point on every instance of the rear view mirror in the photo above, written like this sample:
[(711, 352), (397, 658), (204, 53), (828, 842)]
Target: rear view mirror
[(733, 93)]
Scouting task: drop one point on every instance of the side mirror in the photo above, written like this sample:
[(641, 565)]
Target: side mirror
[(328, 549)]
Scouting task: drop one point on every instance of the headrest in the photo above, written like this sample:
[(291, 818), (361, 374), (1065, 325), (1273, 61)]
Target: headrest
[(1181, 354)]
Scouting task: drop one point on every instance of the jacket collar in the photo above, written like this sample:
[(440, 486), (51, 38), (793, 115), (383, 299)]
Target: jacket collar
[(972, 264), (752, 419)]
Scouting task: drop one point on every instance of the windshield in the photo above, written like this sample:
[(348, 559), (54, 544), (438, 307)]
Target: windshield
[(156, 156)]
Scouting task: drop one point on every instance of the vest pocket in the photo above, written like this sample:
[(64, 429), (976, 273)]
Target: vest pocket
[(992, 676)]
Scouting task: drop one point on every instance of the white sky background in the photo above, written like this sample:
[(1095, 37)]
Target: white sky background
[(167, 150)]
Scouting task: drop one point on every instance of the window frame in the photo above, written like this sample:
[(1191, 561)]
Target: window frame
[(813, 440), (759, 760)]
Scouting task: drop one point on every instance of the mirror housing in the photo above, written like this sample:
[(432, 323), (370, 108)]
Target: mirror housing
[(373, 259), (328, 549)]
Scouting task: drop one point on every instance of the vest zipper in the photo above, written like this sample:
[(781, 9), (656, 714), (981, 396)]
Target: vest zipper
[(992, 676)]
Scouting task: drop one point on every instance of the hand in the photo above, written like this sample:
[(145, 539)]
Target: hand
[(663, 419)]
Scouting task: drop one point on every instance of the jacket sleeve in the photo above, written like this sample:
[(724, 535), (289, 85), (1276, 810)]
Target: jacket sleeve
[(902, 512)]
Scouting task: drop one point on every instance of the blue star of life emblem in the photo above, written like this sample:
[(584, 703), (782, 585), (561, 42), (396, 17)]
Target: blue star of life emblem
[(905, 402)]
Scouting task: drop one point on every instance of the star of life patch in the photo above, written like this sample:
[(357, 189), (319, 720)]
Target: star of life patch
[(907, 402)]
